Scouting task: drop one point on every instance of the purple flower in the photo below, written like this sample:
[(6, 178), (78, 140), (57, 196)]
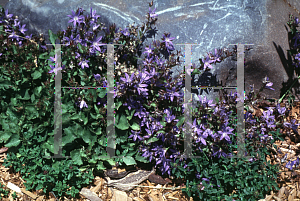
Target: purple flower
[(280, 110), (148, 61), (97, 77), (218, 54), (168, 41), (14, 36), (84, 64), (141, 88), (224, 134), (29, 37), (150, 131), (159, 62), (207, 62), (96, 44), (76, 40), (169, 118), (296, 38), (22, 29), (135, 135), (8, 16), (55, 69), (149, 50), (147, 153), (268, 86), (152, 13), (77, 55), (219, 153), (202, 138), (75, 18), (239, 98), (127, 79), (95, 26), (94, 16), (16, 23), (292, 125), (172, 93), (204, 101), (297, 56), (82, 104), (268, 83), (144, 76), (125, 32), (53, 59), (290, 164), (267, 115)]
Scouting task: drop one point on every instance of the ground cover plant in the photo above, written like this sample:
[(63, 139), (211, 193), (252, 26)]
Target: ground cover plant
[(149, 114)]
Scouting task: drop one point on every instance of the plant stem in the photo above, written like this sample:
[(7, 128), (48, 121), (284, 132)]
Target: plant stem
[(288, 90)]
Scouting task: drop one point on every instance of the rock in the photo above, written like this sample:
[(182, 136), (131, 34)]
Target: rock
[(120, 195), (90, 194), (209, 24), (127, 183), (157, 179)]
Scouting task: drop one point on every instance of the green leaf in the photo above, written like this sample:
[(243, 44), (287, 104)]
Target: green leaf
[(96, 109), (12, 116), (36, 75), (118, 104), (37, 91), (135, 126), (100, 166), (75, 117), (4, 136), (181, 120), (69, 137), (98, 131), (26, 96), (13, 141), (53, 37), (152, 139), (121, 122), (195, 71), (102, 92), (75, 155), (128, 160), (44, 56), (88, 138), (5, 84), (129, 113), (32, 98), (80, 48), (14, 49)]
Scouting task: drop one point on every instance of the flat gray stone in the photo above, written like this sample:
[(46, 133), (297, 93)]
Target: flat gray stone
[(211, 24)]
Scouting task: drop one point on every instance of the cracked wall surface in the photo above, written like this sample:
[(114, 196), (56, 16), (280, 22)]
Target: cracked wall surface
[(211, 24)]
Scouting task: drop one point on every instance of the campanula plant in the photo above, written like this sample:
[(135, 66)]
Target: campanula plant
[(162, 130), (159, 148)]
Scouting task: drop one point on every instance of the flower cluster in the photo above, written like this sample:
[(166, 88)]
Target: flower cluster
[(212, 129), (138, 84)]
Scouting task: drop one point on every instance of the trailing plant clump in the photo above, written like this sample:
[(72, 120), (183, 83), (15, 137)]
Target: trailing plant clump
[(3, 193), (149, 117)]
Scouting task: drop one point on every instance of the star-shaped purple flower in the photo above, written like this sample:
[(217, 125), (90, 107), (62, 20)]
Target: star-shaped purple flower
[(125, 32), (75, 18), (84, 64), (207, 62), (22, 29), (8, 16)]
